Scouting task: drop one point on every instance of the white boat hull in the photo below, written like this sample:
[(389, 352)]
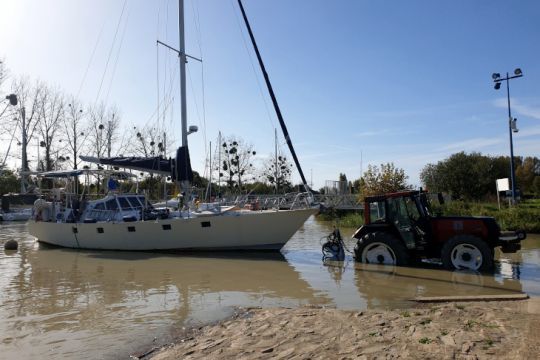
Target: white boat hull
[(256, 230)]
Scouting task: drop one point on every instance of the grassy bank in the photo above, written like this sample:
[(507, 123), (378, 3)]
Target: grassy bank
[(343, 219), (525, 216)]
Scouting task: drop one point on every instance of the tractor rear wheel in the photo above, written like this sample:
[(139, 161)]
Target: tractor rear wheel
[(381, 248), (467, 252)]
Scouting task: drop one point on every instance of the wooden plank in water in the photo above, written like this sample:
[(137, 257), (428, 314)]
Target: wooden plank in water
[(502, 297)]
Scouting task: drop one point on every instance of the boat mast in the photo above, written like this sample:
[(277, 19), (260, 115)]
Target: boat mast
[(185, 184), (274, 100), (276, 161), (182, 56), (219, 165)]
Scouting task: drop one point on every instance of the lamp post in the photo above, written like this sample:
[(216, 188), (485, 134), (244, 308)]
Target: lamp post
[(497, 79)]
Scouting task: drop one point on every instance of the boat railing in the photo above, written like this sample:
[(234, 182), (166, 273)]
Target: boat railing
[(102, 215), (302, 200), (274, 201)]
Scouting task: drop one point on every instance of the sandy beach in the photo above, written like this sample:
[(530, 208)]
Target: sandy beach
[(463, 330)]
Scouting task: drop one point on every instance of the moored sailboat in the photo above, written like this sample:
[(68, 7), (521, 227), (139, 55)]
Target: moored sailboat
[(129, 222)]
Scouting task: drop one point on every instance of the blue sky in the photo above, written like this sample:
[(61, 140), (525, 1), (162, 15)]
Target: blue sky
[(407, 82)]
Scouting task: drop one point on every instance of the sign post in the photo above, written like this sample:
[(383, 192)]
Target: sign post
[(502, 185)]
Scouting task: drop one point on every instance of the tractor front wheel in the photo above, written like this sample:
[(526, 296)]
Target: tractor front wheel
[(381, 248), (467, 252)]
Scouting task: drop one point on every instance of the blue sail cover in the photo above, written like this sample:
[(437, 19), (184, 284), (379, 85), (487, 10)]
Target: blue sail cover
[(182, 166), (179, 169)]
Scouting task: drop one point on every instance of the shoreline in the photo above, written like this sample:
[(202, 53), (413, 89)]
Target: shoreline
[(463, 330)]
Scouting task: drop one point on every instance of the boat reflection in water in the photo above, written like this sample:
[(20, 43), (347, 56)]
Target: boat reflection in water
[(62, 302)]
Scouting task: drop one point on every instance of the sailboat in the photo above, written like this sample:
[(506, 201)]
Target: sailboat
[(129, 222)]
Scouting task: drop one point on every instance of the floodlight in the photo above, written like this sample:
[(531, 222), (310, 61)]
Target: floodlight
[(497, 86), (517, 71), (495, 76), (12, 99)]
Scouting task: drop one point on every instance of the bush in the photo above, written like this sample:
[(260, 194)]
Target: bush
[(525, 216)]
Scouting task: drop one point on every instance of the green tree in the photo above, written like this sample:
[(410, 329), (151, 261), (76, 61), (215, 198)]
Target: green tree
[(8, 182), (527, 169), (472, 176), (383, 179), (258, 187), (536, 186)]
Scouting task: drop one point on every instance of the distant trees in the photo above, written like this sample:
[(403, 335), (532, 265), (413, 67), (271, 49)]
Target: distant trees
[(104, 125), (527, 170), (51, 115), (75, 130), (468, 176), (383, 179), (536, 186), (149, 142), (472, 176), (30, 107), (236, 162), (3, 72), (277, 172), (8, 182)]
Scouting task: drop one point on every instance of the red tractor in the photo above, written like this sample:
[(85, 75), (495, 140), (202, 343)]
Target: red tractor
[(400, 229)]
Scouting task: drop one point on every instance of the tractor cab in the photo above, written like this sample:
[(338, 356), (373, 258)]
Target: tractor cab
[(404, 214), (400, 228)]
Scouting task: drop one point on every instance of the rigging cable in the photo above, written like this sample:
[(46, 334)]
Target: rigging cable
[(166, 61), (10, 142), (164, 102), (91, 59), (261, 92), (197, 21), (110, 51), (117, 55), (194, 98)]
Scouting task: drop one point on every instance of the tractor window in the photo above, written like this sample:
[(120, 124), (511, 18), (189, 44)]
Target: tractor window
[(412, 209), (397, 211), (425, 204), (377, 211)]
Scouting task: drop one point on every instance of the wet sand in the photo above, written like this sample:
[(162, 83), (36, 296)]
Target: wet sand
[(471, 330)]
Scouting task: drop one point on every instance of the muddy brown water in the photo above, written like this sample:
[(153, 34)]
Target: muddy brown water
[(60, 303)]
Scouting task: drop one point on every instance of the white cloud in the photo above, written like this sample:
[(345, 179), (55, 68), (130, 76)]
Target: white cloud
[(530, 131), (372, 133), (518, 108), (475, 144), (526, 110)]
